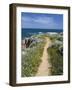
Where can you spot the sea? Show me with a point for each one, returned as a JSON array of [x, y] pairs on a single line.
[[27, 32]]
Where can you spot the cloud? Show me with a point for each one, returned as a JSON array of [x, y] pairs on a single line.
[[26, 19], [40, 21], [44, 20]]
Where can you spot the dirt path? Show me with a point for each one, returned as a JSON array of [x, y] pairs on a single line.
[[44, 68]]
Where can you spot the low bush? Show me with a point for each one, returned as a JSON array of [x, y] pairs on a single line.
[[31, 60], [56, 60]]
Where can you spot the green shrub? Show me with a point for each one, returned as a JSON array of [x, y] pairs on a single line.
[[56, 60], [31, 60]]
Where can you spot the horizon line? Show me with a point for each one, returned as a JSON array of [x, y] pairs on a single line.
[[41, 28]]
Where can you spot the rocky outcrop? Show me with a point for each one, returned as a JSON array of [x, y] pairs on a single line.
[[26, 42]]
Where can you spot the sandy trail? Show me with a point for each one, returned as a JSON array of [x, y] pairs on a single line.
[[44, 68]]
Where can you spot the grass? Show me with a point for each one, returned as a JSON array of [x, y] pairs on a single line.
[[56, 60], [31, 60], [53, 38], [42, 36]]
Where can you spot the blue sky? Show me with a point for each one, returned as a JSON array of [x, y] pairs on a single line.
[[42, 21]]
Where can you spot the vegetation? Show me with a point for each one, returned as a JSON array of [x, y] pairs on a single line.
[[56, 60], [31, 60], [56, 37]]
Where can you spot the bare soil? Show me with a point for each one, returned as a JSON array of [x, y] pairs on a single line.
[[45, 66]]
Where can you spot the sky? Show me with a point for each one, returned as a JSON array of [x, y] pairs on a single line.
[[41, 20]]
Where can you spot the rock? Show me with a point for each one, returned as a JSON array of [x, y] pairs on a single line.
[[26, 42]]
